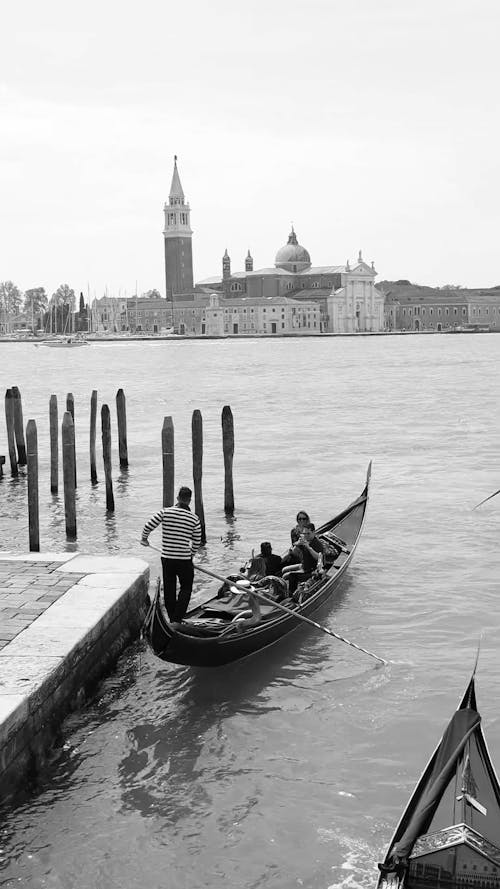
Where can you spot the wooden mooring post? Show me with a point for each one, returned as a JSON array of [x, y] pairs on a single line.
[[168, 463], [19, 427], [9, 421], [121, 413], [93, 424], [2, 461], [54, 444], [228, 451], [106, 456], [32, 463], [68, 458], [70, 406], [197, 435]]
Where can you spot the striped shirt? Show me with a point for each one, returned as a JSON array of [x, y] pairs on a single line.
[[181, 531]]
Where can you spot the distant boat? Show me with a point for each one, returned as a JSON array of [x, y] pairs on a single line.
[[64, 343]]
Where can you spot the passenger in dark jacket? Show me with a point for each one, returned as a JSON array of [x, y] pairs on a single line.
[[273, 562]]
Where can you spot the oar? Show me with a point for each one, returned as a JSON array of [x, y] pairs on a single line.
[[485, 499], [290, 611]]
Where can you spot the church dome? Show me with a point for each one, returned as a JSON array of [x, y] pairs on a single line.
[[292, 257]]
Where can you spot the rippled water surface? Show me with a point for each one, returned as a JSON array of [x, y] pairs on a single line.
[[289, 769]]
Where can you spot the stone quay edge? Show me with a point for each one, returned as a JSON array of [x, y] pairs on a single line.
[[64, 620]]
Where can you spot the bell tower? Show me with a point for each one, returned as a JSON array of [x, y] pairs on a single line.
[[177, 235]]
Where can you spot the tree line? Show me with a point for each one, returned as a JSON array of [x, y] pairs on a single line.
[[40, 310], [51, 314]]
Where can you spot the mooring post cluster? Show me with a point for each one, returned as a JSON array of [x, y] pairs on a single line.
[[168, 463], [23, 453]]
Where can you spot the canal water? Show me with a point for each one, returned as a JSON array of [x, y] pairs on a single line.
[[291, 768]]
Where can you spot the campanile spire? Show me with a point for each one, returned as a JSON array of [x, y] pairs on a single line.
[[177, 235]]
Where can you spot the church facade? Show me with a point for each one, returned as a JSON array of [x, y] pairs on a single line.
[[346, 296]]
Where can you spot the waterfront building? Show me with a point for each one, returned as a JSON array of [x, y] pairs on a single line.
[[109, 315], [411, 307], [148, 315], [210, 314], [346, 296]]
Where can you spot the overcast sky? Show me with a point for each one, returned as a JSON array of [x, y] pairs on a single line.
[[370, 124]]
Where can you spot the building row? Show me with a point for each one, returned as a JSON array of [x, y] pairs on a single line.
[[347, 296], [409, 308]]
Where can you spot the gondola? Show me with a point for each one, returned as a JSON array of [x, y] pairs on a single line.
[[449, 835], [207, 637]]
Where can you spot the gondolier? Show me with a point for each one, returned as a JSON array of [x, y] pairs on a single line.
[[181, 536]]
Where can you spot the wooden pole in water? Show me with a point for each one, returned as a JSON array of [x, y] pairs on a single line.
[[19, 427], [68, 458], [32, 462], [167, 450], [70, 406], [106, 456], [122, 428], [54, 445], [93, 423], [9, 420], [197, 434], [228, 450]]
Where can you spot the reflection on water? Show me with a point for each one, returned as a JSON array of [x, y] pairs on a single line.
[[231, 536], [292, 767]]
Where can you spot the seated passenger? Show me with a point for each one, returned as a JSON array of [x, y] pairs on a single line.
[[256, 568], [309, 548], [302, 518], [273, 561]]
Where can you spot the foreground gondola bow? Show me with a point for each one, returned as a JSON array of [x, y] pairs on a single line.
[[206, 638], [449, 835]]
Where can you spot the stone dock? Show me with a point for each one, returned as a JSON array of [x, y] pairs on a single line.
[[64, 620]]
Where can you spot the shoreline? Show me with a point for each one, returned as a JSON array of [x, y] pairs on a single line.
[[113, 338]]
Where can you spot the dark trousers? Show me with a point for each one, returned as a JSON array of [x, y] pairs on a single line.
[[296, 577], [172, 569]]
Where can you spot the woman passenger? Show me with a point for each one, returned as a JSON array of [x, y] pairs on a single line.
[[302, 520]]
